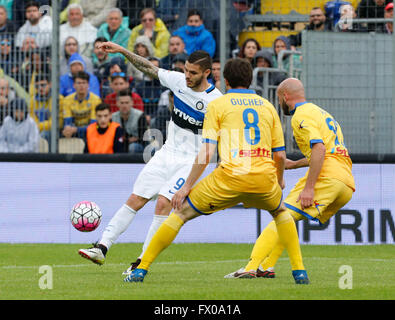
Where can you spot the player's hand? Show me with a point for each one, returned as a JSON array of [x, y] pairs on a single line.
[[306, 198], [282, 184], [111, 47], [179, 197]]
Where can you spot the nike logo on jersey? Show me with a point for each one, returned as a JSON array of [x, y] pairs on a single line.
[[300, 125]]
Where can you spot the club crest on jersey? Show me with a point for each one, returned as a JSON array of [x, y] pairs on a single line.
[[199, 105]]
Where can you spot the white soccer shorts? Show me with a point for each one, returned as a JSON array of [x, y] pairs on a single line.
[[163, 175]]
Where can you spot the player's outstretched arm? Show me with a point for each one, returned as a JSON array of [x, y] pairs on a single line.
[[139, 62]]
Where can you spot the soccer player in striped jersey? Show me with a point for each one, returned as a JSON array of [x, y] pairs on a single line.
[[247, 131], [168, 169]]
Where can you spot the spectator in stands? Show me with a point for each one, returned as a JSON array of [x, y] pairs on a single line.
[[7, 27], [346, 23], [263, 59], [176, 46], [132, 9], [7, 94], [179, 61], [372, 9], [150, 90], [37, 26], [388, 14], [317, 22], [40, 62], [248, 50], [77, 64], [133, 122], [17, 14], [19, 132], [64, 7], [25, 70], [209, 11], [71, 46], [116, 65], [215, 78], [41, 106], [195, 35], [154, 29], [142, 47], [82, 30], [8, 61], [120, 82], [97, 14], [79, 107], [169, 11], [113, 30], [282, 43], [104, 136], [100, 59]]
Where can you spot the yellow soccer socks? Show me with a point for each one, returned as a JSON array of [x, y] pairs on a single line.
[[273, 257], [288, 236], [279, 233], [263, 246], [161, 240]]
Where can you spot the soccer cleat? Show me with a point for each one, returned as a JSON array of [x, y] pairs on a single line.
[[137, 275], [232, 274], [133, 266], [242, 274], [300, 276], [269, 273], [94, 254]]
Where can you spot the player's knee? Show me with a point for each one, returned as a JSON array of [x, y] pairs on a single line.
[[186, 213], [163, 206], [276, 212], [136, 202]]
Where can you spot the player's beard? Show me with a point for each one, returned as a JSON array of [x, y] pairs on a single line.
[[285, 108], [195, 84]]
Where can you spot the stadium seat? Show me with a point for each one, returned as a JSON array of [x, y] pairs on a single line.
[[71, 145], [43, 146], [265, 38], [299, 6]]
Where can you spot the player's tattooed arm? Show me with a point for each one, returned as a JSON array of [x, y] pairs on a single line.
[[139, 62], [142, 64]]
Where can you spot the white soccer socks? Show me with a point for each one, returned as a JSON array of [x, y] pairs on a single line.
[[117, 225]]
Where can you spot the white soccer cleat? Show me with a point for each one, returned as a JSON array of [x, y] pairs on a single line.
[[233, 274], [93, 254]]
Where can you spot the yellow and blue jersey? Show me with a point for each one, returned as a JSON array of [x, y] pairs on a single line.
[[80, 113], [247, 129], [311, 125]]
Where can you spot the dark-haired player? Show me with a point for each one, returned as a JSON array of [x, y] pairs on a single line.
[[168, 169], [247, 131]]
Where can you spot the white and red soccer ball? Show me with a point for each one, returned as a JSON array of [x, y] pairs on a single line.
[[85, 216]]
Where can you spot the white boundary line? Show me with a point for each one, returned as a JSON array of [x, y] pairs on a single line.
[[189, 262]]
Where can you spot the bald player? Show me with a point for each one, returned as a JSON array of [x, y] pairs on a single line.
[[328, 184]]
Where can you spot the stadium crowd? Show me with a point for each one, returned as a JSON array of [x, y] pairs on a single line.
[[165, 32]]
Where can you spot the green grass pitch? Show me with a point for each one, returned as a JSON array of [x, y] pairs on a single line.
[[193, 272]]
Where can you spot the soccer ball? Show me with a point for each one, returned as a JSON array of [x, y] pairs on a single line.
[[85, 216]]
